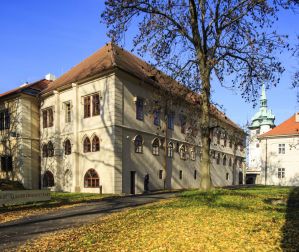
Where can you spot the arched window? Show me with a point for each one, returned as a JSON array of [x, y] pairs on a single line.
[[170, 150], [91, 179], [48, 179], [95, 144], [155, 146], [218, 159], [183, 152], [224, 160], [86, 145], [67, 147], [45, 150], [50, 149], [192, 153], [138, 142]]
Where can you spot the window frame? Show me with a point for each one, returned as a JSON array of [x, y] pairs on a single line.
[[86, 145], [67, 147], [170, 149], [156, 146], [138, 144], [281, 173], [68, 112], [96, 104], [49, 177], [93, 181], [95, 144], [139, 109], [281, 149]]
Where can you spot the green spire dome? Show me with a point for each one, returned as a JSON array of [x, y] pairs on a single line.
[[264, 116]]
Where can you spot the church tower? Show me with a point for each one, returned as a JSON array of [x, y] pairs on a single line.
[[261, 122]]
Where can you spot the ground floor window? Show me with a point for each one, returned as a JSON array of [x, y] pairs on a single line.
[[91, 179], [160, 174], [48, 179], [227, 176], [281, 173], [6, 163], [181, 174]]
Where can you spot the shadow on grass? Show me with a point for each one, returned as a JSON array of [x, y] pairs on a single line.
[[290, 240]]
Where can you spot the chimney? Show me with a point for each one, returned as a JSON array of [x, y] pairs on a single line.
[[50, 77], [297, 117]]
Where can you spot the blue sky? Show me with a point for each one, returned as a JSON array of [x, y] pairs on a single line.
[[51, 36]]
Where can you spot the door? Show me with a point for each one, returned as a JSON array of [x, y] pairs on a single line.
[[133, 182]]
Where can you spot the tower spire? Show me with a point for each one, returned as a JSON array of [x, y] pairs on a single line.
[[263, 96]]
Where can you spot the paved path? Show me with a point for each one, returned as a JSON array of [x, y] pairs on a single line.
[[17, 232]]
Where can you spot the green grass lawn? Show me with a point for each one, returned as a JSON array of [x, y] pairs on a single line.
[[254, 219], [58, 200]]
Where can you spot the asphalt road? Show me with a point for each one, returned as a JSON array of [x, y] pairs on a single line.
[[17, 232]]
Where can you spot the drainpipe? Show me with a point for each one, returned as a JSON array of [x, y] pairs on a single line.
[[266, 162]]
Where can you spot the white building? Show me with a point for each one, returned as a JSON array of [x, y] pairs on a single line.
[[273, 151]]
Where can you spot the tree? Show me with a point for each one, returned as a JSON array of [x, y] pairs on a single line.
[[193, 41]]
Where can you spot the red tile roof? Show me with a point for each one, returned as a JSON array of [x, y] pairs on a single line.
[[37, 85], [111, 57], [288, 127]]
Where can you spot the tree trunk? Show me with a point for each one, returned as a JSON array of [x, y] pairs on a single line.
[[205, 174]]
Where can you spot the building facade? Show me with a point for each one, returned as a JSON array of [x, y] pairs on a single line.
[[105, 124], [115, 124], [273, 150], [19, 134]]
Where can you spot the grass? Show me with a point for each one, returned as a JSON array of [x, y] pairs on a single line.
[[58, 200], [255, 219]]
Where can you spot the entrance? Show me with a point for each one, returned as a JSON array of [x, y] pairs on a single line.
[[133, 182]]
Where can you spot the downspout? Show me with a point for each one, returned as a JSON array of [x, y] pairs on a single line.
[[266, 162]]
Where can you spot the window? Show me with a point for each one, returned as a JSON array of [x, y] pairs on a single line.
[[241, 147], [95, 108], [50, 149], [195, 174], [96, 104], [87, 106], [157, 117], [192, 153], [224, 160], [48, 118], [170, 120], [139, 109], [45, 150], [281, 173], [257, 145], [218, 158], [91, 179], [183, 152], [218, 137], [230, 144], [183, 121], [227, 176], [155, 147], [225, 141], [170, 150], [68, 112], [67, 147], [48, 179], [6, 163], [230, 162], [51, 118], [4, 119], [138, 142], [181, 174], [95, 144], [86, 145], [45, 119], [160, 174], [281, 149], [258, 131]]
